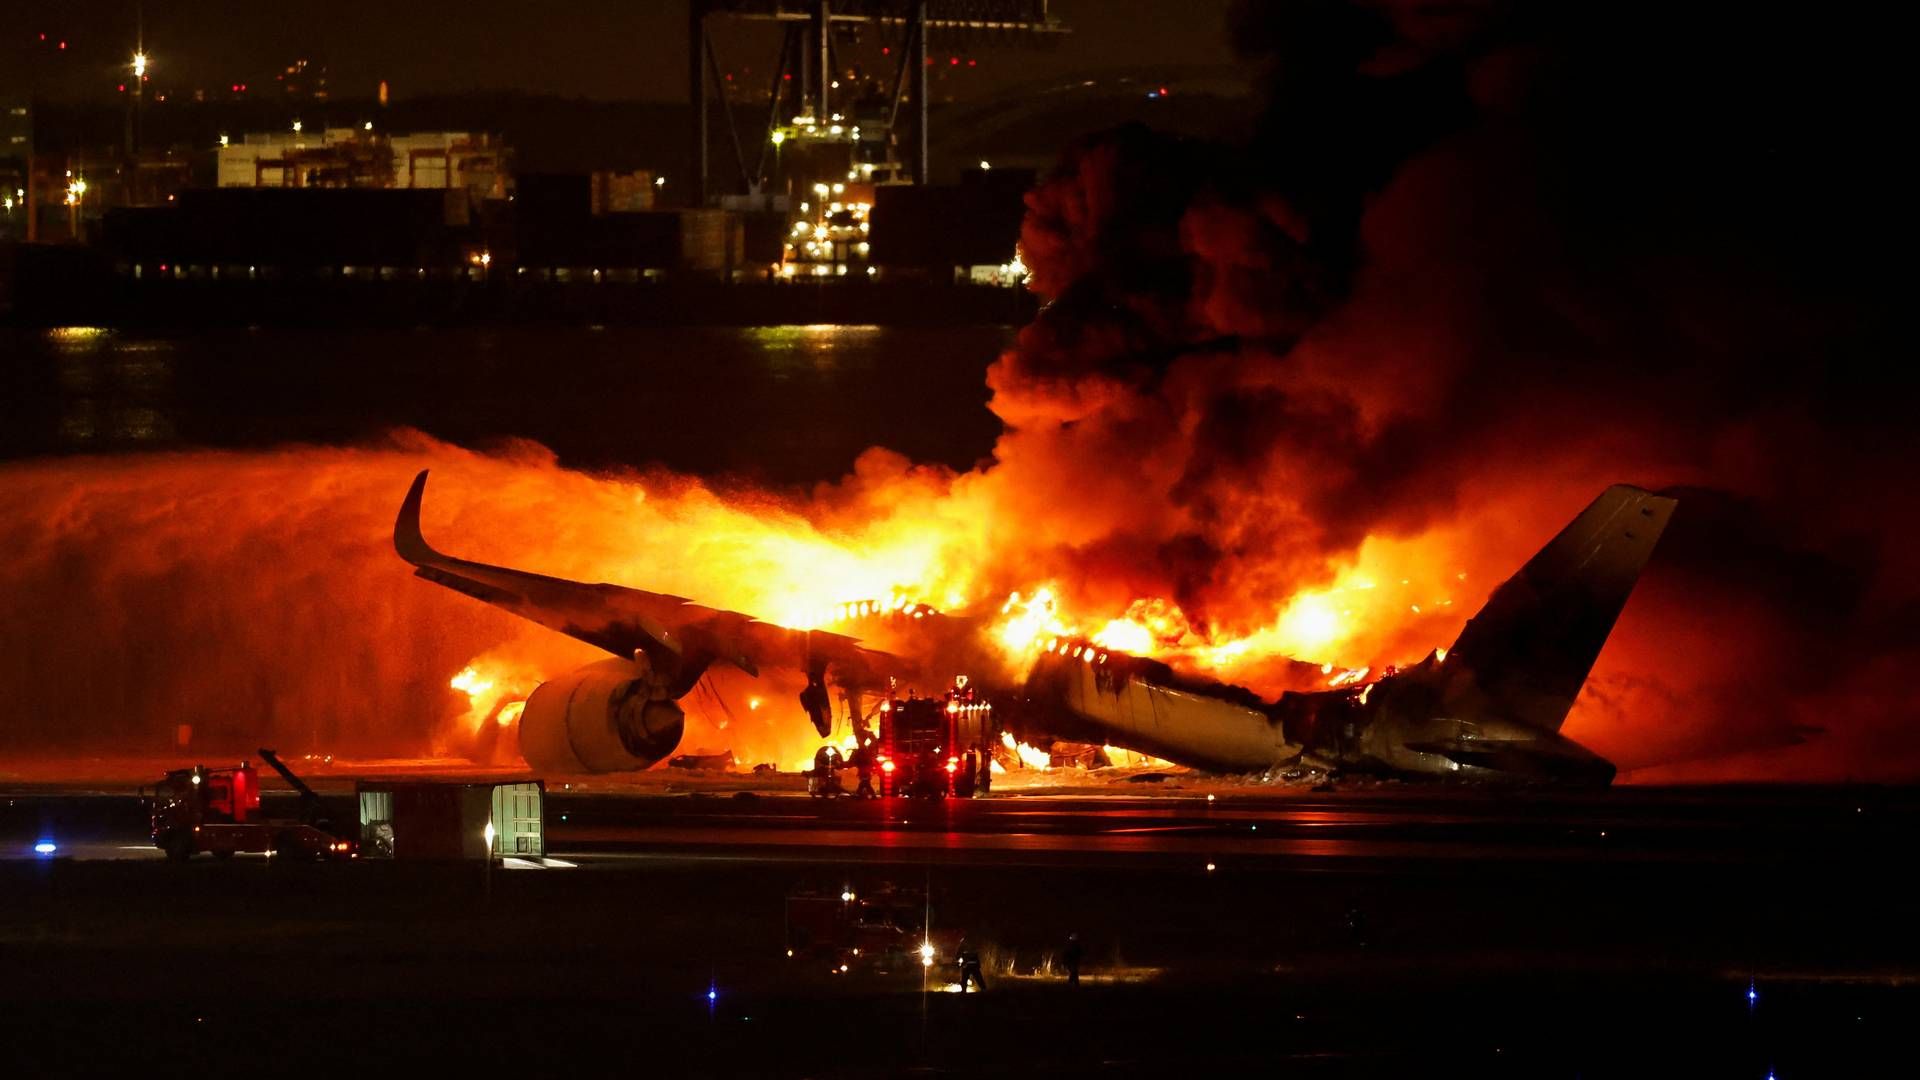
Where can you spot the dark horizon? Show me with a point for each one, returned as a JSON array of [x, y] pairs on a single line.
[[596, 49]]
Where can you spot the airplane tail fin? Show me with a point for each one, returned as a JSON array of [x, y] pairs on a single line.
[[1530, 648]]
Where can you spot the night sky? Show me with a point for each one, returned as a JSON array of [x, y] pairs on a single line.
[[603, 49]]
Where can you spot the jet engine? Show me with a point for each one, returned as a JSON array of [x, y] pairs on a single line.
[[605, 717]]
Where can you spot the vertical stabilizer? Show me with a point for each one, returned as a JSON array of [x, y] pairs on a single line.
[[1530, 648]]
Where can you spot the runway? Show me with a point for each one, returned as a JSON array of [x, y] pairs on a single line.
[[1362, 932], [1726, 826]]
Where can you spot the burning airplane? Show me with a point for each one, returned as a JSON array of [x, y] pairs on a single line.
[[1488, 707]]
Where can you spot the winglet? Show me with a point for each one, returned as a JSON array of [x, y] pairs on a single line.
[[407, 540]]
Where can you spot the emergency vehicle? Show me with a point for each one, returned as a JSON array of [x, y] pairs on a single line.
[[922, 741], [218, 810], [885, 930]]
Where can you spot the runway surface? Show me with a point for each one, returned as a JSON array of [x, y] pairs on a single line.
[[1358, 932]]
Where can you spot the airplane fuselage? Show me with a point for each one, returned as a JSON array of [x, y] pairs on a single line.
[[1413, 723]]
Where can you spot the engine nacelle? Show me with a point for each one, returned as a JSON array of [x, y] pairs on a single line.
[[598, 719]]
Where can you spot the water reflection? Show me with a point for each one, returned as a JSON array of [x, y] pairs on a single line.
[[820, 348], [114, 391], [787, 404]]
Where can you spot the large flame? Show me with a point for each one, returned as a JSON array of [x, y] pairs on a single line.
[[1286, 419], [303, 568]]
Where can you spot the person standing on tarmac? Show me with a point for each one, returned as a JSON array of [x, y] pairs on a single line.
[[1070, 957], [863, 762], [969, 772], [969, 960], [985, 785]]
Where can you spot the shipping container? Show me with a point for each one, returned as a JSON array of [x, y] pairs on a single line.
[[429, 820]]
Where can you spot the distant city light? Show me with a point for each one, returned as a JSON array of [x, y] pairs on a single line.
[[659, 181], [45, 847], [779, 137], [984, 166], [223, 140], [368, 126], [296, 127], [139, 65]]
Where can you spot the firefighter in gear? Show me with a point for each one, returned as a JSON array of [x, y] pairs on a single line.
[[985, 786], [824, 782], [1070, 956], [863, 762], [969, 960]]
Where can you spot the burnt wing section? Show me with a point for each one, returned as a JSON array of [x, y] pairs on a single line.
[[1530, 648], [678, 637]]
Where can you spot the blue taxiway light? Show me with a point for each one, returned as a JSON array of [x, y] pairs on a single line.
[[45, 847], [712, 994]]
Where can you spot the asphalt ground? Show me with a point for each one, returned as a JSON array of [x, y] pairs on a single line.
[[1699, 932]]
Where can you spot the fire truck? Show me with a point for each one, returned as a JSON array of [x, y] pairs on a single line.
[[218, 810], [922, 741]]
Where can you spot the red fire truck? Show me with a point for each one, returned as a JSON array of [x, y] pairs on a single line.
[[218, 810], [923, 740]]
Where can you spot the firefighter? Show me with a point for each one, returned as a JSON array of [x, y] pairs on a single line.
[[985, 785], [824, 761], [863, 761], [969, 960], [1070, 956], [969, 775]]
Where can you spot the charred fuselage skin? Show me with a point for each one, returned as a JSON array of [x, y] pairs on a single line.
[[1488, 709], [1428, 722], [1407, 724]]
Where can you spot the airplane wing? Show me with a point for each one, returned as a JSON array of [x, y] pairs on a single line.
[[679, 637]]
